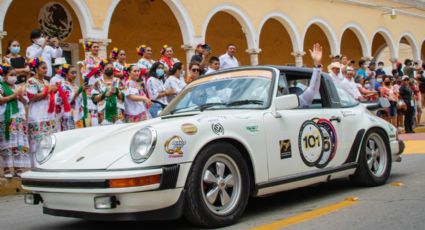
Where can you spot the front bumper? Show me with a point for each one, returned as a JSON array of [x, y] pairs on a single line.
[[74, 193], [397, 148]]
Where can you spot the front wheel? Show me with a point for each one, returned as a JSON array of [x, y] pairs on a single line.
[[374, 164], [217, 186]]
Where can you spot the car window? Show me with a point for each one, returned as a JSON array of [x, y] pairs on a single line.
[[297, 84]]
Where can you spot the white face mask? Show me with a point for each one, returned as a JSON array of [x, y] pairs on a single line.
[[41, 41], [182, 74], [11, 79]]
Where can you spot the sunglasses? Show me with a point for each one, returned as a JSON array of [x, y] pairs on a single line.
[[196, 70]]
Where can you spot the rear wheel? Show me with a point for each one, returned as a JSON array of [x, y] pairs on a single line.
[[217, 187], [374, 164]]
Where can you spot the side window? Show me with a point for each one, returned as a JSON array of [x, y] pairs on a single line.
[[298, 84], [346, 100]]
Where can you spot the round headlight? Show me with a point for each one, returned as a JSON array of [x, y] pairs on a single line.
[[143, 144], [45, 148]]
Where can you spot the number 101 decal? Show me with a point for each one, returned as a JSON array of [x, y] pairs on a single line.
[[317, 142]]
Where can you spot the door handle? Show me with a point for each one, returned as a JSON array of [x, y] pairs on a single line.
[[335, 118]]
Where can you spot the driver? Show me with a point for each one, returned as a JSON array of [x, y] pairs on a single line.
[[306, 96]]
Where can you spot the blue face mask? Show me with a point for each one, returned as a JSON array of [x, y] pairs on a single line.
[[15, 49], [160, 73]]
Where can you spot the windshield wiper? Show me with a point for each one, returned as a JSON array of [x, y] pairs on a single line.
[[209, 105], [178, 109], [245, 102]]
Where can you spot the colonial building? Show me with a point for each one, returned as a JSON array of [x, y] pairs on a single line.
[[264, 31]]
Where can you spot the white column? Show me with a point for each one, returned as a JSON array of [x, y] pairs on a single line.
[[189, 49], [298, 58], [103, 43], [2, 35], [253, 55]]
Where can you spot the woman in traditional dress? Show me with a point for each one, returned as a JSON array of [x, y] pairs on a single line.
[[135, 98], [167, 57], [145, 62], [105, 94], [13, 126], [41, 105], [70, 98]]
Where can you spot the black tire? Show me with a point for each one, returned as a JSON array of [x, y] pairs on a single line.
[[364, 175], [197, 208]]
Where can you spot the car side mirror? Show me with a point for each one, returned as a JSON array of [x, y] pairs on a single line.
[[287, 102]]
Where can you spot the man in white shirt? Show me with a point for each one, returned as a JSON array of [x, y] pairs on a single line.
[[214, 65], [40, 48], [350, 86], [228, 60]]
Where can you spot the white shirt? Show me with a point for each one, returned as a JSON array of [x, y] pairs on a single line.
[[154, 88], [228, 62], [55, 79], [133, 107], [174, 83], [35, 51], [210, 71], [351, 87]]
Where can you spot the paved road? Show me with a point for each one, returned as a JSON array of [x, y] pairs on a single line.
[[398, 205]]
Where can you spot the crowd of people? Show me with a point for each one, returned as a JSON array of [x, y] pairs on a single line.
[[404, 87], [41, 94]]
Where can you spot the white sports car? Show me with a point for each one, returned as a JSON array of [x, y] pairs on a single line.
[[228, 136]]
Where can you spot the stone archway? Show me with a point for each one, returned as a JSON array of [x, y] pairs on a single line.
[[315, 34], [351, 46]]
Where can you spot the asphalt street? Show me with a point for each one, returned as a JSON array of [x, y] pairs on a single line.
[[400, 204]]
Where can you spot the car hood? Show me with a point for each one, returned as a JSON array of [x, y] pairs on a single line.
[[105, 147]]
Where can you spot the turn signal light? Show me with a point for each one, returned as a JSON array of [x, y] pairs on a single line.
[[135, 182]]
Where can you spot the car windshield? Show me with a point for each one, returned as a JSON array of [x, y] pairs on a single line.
[[224, 91]]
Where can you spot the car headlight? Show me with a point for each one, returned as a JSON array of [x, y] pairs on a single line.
[[143, 144], [45, 148]]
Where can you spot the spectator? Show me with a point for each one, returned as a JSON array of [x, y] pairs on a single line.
[[371, 75], [420, 77], [136, 100], [92, 61], [214, 65], [41, 106], [120, 64], [13, 138], [228, 60], [44, 47], [369, 95], [387, 91], [406, 94], [167, 58], [14, 59], [145, 63], [58, 77], [194, 72], [105, 94], [409, 70], [362, 69], [202, 52], [380, 70], [156, 89], [174, 83]]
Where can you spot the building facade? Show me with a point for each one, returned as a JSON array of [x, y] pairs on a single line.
[[264, 31]]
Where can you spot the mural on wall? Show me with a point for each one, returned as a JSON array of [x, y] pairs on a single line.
[[55, 20]]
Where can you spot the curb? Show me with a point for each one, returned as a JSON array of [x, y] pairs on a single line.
[[11, 187]]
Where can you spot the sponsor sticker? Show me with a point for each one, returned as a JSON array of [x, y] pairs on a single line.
[[285, 149], [173, 146], [217, 128], [252, 128], [310, 143]]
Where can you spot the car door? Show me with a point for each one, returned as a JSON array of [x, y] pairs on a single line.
[[305, 139]]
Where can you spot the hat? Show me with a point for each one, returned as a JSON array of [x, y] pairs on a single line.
[[405, 77], [349, 69], [59, 61], [335, 65], [372, 63]]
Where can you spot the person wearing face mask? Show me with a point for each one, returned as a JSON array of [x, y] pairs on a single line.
[[378, 84], [174, 82], [363, 86], [14, 144], [41, 48], [105, 94], [14, 59], [135, 99], [406, 94], [380, 70], [156, 89]]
